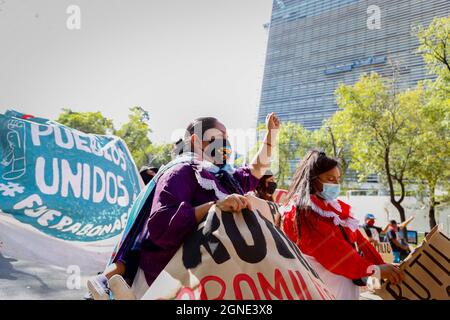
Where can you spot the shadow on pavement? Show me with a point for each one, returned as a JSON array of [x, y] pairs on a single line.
[[6, 268], [8, 272]]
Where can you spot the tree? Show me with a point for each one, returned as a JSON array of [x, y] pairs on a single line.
[[334, 142], [380, 122], [135, 134], [293, 142], [433, 148], [87, 122], [160, 154], [433, 152], [434, 46]]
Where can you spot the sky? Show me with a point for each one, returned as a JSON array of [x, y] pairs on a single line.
[[177, 59]]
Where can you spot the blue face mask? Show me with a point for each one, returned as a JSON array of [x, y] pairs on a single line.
[[330, 191]]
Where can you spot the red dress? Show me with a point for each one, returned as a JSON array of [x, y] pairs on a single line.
[[318, 235]]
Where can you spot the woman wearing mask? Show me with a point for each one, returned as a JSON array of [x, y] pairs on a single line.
[[266, 187], [183, 194], [326, 232]]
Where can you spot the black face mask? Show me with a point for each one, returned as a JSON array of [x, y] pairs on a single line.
[[219, 150], [271, 187]]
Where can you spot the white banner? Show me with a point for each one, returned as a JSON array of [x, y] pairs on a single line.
[[237, 256]]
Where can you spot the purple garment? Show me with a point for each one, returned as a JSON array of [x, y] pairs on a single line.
[[172, 216]]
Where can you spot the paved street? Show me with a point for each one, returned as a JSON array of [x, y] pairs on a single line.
[[28, 280], [34, 265]]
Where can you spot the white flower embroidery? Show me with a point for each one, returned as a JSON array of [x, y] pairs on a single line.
[[10, 189]]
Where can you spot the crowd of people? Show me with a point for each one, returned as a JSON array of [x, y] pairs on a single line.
[[201, 176]]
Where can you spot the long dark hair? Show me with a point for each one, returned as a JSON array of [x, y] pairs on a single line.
[[312, 165]]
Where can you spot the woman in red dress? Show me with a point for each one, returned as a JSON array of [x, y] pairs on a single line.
[[327, 233]]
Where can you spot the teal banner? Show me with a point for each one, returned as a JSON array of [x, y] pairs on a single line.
[[68, 184]]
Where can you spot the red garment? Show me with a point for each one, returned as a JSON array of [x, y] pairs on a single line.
[[279, 194], [322, 239]]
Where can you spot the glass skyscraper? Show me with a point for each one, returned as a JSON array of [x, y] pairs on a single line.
[[314, 45]]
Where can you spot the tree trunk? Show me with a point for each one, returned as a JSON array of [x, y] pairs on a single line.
[[400, 210], [333, 143], [432, 204], [395, 203]]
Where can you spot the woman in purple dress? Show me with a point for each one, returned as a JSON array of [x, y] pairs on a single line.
[[185, 192]]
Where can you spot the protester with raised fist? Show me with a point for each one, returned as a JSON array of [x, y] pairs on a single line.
[[185, 190]]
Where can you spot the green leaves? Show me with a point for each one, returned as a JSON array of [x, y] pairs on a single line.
[[434, 46], [294, 141], [134, 133], [376, 120], [433, 152], [87, 122], [380, 125], [402, 135]]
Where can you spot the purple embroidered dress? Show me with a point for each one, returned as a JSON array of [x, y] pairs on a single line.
[[172, 217]]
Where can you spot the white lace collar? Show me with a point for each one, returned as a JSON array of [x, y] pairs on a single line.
[[351, 222], [204, 182]]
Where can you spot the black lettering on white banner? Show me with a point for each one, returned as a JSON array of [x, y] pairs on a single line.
[[192, 255], [249, 253]]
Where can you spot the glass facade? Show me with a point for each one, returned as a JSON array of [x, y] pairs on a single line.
[[314, 45]]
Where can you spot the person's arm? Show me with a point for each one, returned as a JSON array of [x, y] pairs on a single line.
[[202, 210], [370, 253], [332, 251], [231, 203], [172, 216], [246, 179], [376, 241], [261, 162], [396, 242], [408, 221], [371, 240], [368, 233]]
